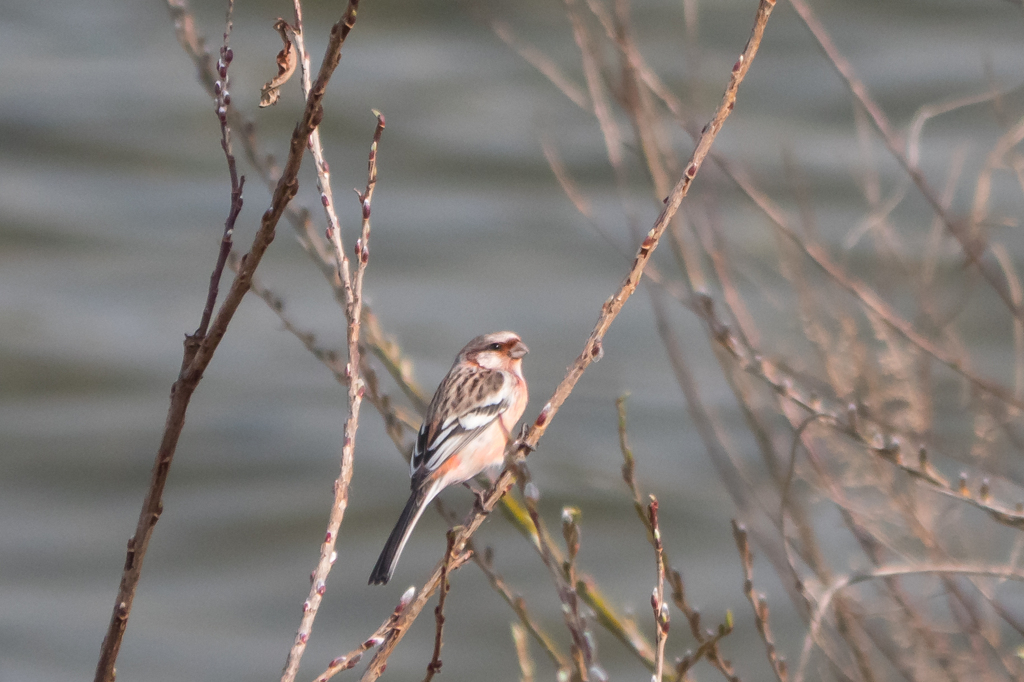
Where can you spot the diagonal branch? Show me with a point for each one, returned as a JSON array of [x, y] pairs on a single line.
[[592, 348], [816, 253]]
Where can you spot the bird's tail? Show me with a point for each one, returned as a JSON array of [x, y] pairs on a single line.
[[388, 558]]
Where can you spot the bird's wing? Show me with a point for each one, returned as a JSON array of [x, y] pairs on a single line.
[[456, 417]]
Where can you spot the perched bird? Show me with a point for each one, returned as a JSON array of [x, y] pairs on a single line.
[[465, 431]]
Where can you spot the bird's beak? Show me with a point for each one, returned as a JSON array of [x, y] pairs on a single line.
[[518, 351]]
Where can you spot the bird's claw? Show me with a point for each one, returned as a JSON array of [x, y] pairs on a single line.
[[521, 442], [479, 493]]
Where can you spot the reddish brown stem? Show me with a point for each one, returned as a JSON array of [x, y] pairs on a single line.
[[434, 666]]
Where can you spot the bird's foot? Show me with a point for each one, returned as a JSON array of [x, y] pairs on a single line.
[[479, 493], [521, 442]]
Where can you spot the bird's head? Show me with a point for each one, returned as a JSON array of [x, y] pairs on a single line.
[[500, 350]]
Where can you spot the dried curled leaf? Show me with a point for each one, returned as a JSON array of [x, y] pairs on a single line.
[[287, 59]]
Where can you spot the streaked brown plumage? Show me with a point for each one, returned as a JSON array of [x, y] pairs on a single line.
[[465, 431]]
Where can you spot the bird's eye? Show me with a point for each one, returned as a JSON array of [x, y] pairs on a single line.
[[494, 346]]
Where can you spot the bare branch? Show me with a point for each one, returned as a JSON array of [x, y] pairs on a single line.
[[658, 603], [758, 602], [434, 666], [353, 286], [592, 348], [222, 101], [518, 604], [352, 658]]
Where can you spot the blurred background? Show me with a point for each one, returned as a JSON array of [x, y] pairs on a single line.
[[113, 195]]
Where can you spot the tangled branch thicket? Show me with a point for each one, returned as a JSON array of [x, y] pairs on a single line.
[[845, 400]]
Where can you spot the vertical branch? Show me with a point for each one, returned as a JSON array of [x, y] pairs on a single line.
[[759, 603], [353, 287], [222, 100], [563, 574], [582, 650], [434, 666], [661, 615], [353, 309], [323, 171], [526, 665], [629, 465]]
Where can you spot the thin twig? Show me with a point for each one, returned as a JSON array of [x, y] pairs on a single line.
[[658, 603], [541, 62], [323, 176], [706, 639], [352, 658], [222, 101], [759, 603], [387, 350], [353, 286], [434, 666], [396, 419], [518, 605], [582, 205], [629, 473], [522, 645], [564, 576]]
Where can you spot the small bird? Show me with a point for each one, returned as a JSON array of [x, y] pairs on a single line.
[[465, 431]]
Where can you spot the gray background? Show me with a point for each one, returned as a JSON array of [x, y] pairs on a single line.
[[113, 191]]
